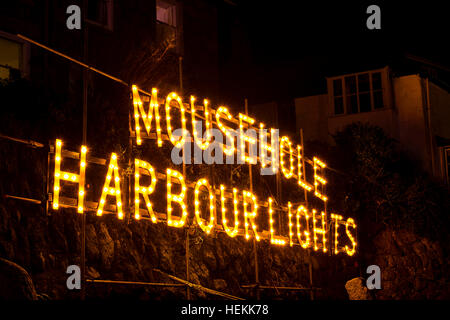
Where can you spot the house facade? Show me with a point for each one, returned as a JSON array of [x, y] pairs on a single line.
[[412, 109], [138, 41]]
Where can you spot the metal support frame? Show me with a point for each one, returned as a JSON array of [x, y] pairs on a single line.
[[255, 249], [85, 102], [257, 287], [306, 202]]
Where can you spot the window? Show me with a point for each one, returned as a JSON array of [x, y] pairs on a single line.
[[447, 163], [100, 12], [13, 54], [338, 97], [356, 93], [166, 13], [168, 24]]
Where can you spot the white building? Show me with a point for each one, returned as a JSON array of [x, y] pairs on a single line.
[[410, 108]]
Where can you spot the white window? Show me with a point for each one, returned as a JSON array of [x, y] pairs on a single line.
[[166, 13], [168, 25], [100, 13], [359, 92], [13, 57]]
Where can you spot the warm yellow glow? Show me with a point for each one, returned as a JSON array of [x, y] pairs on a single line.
[[180, 141], [143, 167], [226, 131], [139, 111], [206, 228], [113, 172], [300, 165], [319, 180], [350, 223], [81, 179], [68, 176], [180, 199], [302, 211], [245, 138], [291, 233], [273, 154], [336, 219], [232, 232], [285, 142], [201, 143], [274, 239], [249, 216], [265, 149], [320, 231]]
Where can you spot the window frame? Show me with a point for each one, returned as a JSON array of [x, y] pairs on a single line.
[[173, 6], [24, 65], [109, 25], [385, 91]]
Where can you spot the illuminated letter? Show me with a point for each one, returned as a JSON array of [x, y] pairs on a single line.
[[175, 198], [302, 211], [229, 231], [264, 148], [207, 228], [113, 172], [351, 223], [180, 142], [319, 179], [250, 215], [321, 231], [228, 133], [274, 239], [336, 219], [146, 117], [291, 242], [300, 165], [244, 137], [142, 166], [199, 141], [287, 173], [67, 176]]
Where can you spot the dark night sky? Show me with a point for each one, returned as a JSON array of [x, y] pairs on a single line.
[[284, 49]]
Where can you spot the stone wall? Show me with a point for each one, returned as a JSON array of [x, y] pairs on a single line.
[[117, 250], [412, 267]]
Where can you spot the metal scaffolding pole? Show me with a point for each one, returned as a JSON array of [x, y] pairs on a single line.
[[255, 249], [85, 96], [306, 202]]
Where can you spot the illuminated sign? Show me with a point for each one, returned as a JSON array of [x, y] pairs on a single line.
[[308, 227]]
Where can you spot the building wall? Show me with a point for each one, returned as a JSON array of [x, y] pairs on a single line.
[[265, 112], [311, 116], [440, 110], [440, 118], [384, 118], [201, 51], [406, 121], [409, 100]]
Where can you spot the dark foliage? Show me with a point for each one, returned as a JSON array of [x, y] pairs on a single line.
[[384, 185]]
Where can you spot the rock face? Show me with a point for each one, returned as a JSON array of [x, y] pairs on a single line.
[[412, 267], [131, 250], [15, 282], [357, 289]]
